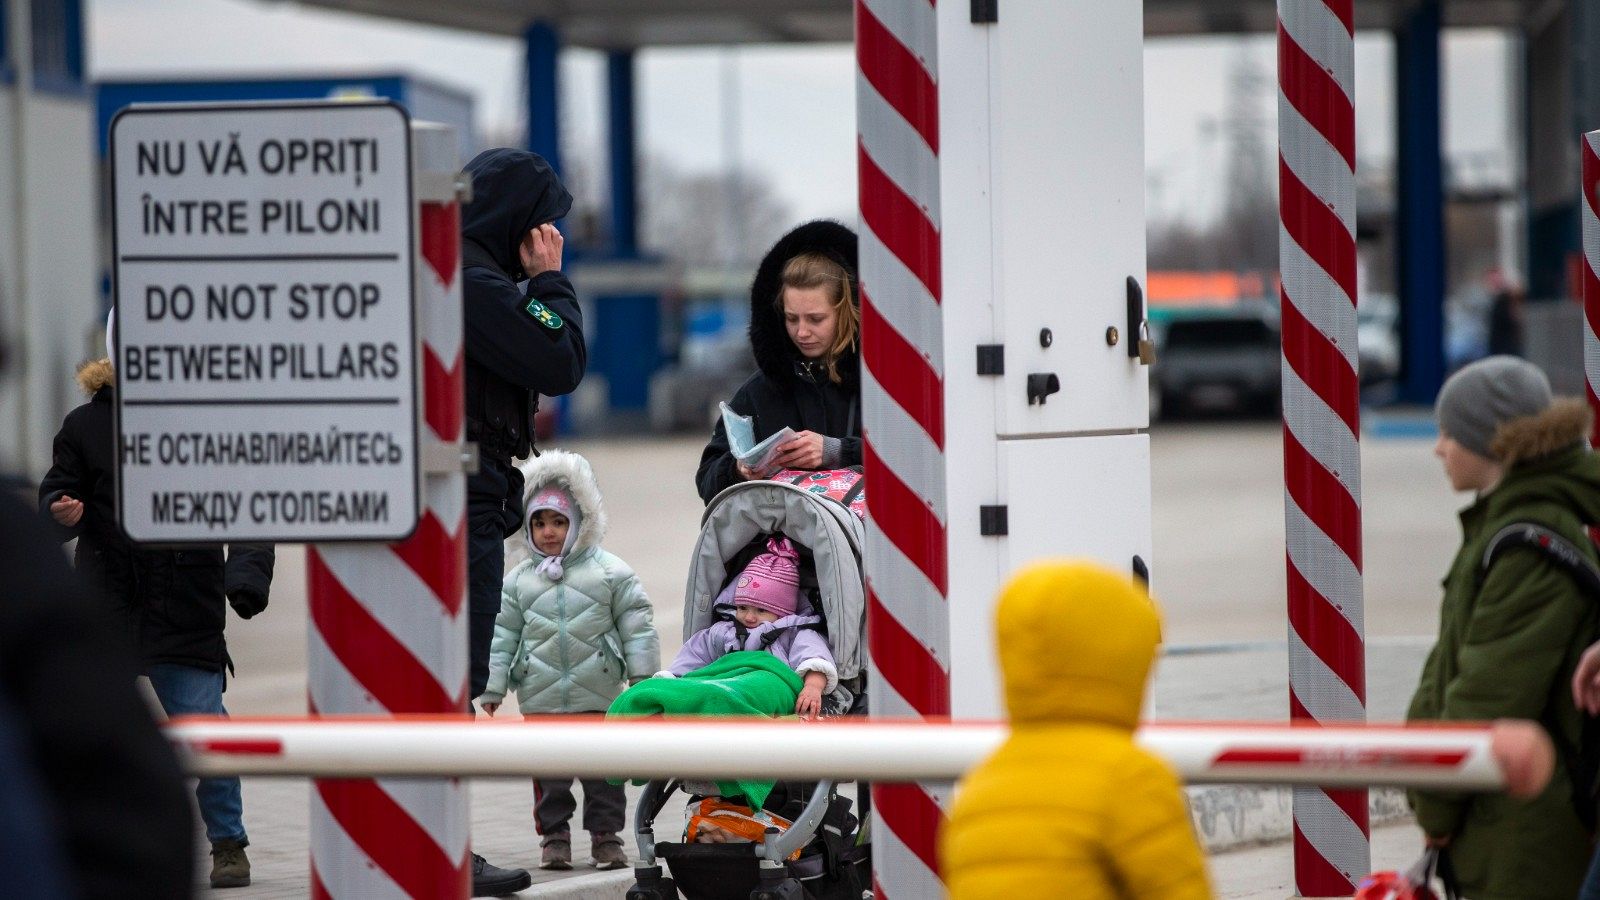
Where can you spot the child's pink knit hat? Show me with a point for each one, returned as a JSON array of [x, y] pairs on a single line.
[[772, 580], [553, 497], [557, 499]]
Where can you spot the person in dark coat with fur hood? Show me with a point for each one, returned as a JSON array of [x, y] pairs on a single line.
[[805, 332], [167, 604]]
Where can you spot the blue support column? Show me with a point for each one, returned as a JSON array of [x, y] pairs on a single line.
[[544, 92], [621, 133], [628, 322], [542, 61], [1420, 206]]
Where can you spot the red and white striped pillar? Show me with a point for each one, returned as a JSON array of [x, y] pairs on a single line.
[[1321, 417], [388, 621], [897, 99], [1590, 205]]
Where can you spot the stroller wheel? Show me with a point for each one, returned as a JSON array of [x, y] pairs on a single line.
[[650, 884], [776, 884]]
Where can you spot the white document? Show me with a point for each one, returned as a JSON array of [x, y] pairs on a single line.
[[742, 441]]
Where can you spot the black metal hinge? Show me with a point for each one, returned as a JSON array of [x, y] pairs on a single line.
[[992, 521], [985, 12], [1136, 316], [991, 359]]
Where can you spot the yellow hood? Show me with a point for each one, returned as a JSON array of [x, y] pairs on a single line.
[[1076, 644]]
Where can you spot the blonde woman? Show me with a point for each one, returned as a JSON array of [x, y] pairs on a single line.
[[805, 332]]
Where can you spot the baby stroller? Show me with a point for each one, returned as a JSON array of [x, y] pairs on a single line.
[[834, 861]]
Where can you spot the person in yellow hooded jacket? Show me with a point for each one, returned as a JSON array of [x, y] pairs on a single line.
[[1070, 806]]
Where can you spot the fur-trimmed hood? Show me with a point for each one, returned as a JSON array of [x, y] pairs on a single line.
[[1548, 460], [1565, 423], [94, 375], [570, 471], [769, 340]]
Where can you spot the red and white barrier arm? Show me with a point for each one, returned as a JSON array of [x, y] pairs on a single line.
[[1455, 758]]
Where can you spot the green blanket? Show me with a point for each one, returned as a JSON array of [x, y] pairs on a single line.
[[744, 683]]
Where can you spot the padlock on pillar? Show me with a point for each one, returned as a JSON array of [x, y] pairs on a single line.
[[1146, 347], [1140, 346]]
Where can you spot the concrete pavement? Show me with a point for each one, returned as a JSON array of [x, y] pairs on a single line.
[[1218, 571]]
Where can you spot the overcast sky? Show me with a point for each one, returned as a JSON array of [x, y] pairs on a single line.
[[795, 105]]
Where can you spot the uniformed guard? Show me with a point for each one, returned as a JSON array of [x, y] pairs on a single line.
[[524, 337]]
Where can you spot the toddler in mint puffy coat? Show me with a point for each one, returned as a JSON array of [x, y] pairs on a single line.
[[574, 624]]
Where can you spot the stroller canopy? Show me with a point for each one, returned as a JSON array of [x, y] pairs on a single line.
[[832, 533]]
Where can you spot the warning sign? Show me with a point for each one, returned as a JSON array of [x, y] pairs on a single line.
[[264, 340]]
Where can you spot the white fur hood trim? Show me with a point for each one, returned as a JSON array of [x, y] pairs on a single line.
[[571, 471]]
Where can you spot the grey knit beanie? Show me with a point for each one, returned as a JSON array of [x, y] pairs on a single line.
[[1481, 397]]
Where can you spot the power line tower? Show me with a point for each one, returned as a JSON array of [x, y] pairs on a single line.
[[1249, 236]]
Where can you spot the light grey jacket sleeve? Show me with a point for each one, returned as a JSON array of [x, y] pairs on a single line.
[[507, 642], [636, 626]]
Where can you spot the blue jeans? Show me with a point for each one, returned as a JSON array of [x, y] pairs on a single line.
[[186, 690], [33, 865]]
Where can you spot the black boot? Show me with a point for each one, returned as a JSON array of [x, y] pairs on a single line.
[[493, 881]]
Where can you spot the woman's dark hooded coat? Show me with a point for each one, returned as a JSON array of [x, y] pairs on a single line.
[[784, 391], [168, 603]]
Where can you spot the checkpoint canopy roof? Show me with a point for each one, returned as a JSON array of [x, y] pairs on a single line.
[[624, 24]]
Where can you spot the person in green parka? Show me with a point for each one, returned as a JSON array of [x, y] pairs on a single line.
[[1511, 635]]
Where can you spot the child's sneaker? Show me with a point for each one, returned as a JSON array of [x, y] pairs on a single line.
[[607, 851], [556, 852]]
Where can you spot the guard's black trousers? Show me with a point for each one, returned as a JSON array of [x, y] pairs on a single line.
[[494, 510]]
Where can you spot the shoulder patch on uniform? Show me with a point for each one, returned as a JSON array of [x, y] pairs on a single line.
[[544, 315]]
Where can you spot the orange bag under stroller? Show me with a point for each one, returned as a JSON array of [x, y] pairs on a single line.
[[716, 821]]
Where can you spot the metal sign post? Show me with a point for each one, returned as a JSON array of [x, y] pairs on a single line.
[[389, 621]]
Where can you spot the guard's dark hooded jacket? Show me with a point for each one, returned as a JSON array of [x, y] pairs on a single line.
[[519, 342], [785, 390], [169, 603]]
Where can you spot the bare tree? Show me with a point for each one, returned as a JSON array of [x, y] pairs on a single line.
[[689, 216], [1247, 234], [1244, 237], [685, 216], [1179, 244]]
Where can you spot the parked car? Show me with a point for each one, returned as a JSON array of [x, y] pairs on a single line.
[[1213, 361], [1378, 339]]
